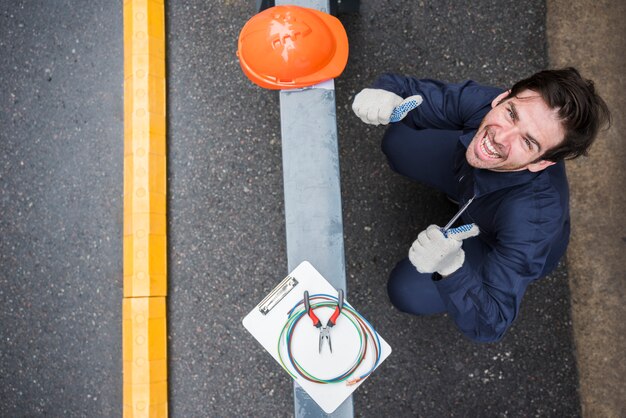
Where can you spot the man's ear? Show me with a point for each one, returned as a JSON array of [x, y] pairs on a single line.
[[500, 97], [539, 165]]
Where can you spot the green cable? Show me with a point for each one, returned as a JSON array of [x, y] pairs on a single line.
[[288, 329]]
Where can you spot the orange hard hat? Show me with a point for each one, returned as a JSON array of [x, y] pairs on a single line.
[[287, 47]]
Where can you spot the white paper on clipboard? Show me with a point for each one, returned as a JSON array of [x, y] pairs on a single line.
[[266, 328]]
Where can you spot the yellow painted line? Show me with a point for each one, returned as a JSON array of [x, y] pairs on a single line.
[[145, 232], [145, 357]]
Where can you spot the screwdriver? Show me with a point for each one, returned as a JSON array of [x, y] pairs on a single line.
[[455, 217]]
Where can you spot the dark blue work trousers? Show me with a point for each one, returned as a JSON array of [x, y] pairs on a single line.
[[425, 155]]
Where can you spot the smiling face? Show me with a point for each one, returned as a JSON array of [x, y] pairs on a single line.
[[515, 134]]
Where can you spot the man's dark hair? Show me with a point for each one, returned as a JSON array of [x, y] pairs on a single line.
[[580, 109]]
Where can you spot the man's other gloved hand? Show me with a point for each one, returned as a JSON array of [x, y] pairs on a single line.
[[374, 106], [433, 251]]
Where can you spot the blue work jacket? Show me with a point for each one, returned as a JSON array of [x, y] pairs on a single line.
[[523, 216]]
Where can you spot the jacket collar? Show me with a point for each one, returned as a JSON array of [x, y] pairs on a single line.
[[487, 181]]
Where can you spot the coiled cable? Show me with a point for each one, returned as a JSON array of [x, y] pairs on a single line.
[[368, 337]]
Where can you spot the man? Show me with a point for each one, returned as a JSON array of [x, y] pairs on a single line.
[[504, 150]]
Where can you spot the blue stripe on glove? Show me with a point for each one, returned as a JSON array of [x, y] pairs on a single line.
[[405, 107], [462, 232]]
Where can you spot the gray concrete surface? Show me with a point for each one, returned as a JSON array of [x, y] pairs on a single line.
[[596, 252], [61, 212], [61, 114]]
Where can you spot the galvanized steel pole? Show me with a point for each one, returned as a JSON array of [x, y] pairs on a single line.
[[314, 223]]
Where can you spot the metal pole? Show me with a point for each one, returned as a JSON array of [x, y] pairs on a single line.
[[314, 223]]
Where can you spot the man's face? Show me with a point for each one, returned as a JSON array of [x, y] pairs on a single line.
[[515, 134]]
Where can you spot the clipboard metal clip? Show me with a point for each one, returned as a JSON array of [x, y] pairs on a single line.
[[277, 294]]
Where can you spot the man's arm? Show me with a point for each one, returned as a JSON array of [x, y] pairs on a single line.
[[481, 283], [484, 295], [444, 106]]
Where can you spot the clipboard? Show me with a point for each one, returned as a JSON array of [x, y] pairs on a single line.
[[266, 323]]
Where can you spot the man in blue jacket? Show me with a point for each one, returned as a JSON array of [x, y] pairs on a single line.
[[504, 151]]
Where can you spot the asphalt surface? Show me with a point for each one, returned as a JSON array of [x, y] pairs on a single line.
[[61, 148], [61, 171]]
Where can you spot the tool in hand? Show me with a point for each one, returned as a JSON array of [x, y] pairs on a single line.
[[324, 331], [455, 217]]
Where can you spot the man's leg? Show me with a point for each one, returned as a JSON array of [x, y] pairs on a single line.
[[425, 155], [413, 292]]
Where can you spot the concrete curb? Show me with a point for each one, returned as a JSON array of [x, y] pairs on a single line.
[[592, 37], [144, 306]]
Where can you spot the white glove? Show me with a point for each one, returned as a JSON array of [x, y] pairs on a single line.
[[375, 106], [433, 251]]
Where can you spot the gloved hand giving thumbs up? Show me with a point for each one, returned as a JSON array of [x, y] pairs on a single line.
[[436, 251], [379, 107]]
